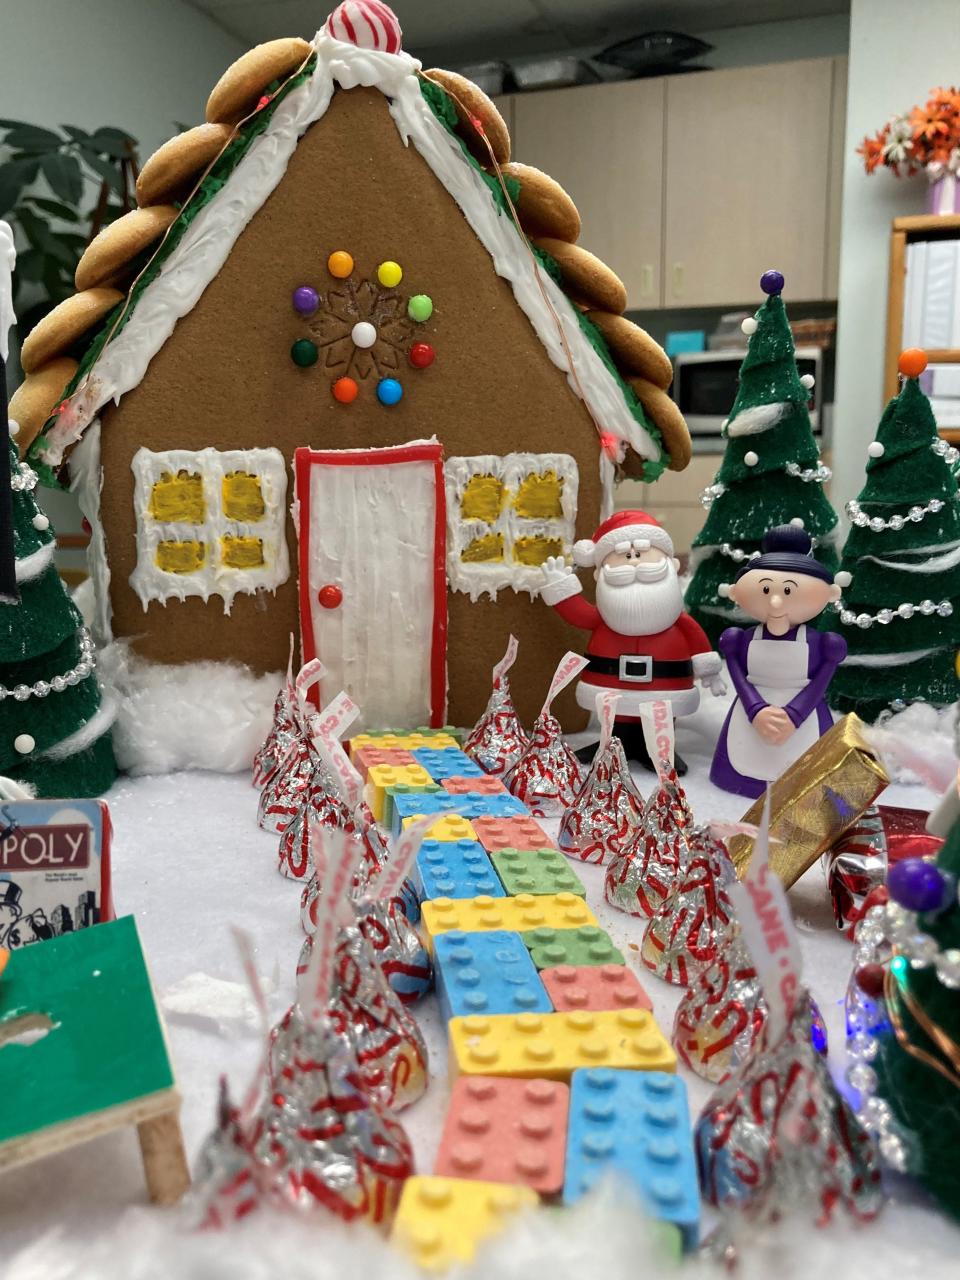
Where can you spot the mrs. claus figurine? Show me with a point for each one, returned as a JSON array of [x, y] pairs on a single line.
[[642, 643], [780, 669]]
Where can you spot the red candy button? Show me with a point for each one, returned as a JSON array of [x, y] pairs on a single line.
[[330, 596], [422, 355]]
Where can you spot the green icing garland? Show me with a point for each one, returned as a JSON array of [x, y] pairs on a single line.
[[211, 186], [442, 107]]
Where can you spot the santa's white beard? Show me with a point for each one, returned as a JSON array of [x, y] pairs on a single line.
[[640, 608]]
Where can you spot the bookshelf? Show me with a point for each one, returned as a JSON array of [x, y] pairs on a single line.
[[904, 232]]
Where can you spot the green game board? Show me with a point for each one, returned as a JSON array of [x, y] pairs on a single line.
[[106, 1047]]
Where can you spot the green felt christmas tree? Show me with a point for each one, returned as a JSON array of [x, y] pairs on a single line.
[[918, 1059], [900, 610], [54, 729], [771, 471]]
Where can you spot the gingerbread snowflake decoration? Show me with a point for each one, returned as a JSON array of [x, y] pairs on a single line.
[[360, 329]]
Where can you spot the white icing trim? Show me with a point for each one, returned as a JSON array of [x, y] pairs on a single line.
[[31, 566], [86, 481], [887, 659], [208, 240], [213, 578], [753, 422], [87, 734], [8, 258], [490, 577]]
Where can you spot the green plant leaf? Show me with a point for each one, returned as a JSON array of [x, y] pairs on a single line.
[[75, 134], [64, 176], [30, 265], [112, 142], [14, 176], [54, 208], [34, 228], [13, 124], [106, 170], [59, 249], [30, 137]]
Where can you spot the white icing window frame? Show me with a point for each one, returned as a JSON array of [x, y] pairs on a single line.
[[150, 582], [487, 578]]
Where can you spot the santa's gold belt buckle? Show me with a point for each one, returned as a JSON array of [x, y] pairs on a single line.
[[636, 670]]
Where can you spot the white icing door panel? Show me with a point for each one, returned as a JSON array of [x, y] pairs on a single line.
[[373, 606]]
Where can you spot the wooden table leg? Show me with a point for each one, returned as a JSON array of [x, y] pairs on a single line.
[[164, 1159]]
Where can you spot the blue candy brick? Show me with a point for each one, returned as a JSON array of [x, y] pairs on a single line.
[[636, 1123], [409, 806], [486, 973], [456, 869], [495, 806], [447, 762]]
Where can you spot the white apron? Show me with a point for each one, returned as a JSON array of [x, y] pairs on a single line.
[[777, 669]]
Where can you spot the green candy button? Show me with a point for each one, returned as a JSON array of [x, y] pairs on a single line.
[[304, 353], [420, 307]]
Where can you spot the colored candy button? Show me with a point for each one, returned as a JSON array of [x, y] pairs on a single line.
[[422, 355], [420, 307], [345, 390], [340, 264], [389, 391], [304, 353], [389, 274]]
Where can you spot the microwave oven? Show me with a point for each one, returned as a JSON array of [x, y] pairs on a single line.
[[705, 386]]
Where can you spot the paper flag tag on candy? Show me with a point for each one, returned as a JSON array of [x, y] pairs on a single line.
[[497, 740], [548, 776], [659, 735], [760, 902]]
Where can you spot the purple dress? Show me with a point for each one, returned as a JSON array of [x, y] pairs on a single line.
[[764, 675]]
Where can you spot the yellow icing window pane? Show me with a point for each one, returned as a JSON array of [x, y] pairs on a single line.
[[482, 499], [243, 497], [180, 557], [487, 548], [536, 550], [539, 497], [241, 553], [178, 499]]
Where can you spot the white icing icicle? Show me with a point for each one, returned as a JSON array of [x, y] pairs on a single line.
[[8, 257]]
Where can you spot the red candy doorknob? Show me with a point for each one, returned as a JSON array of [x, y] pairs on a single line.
[[330, 596]]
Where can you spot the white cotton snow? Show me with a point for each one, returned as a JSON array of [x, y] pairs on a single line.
[[195, 715], [917, 745]]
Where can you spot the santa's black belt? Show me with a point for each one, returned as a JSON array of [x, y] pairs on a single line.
[[640, 668]]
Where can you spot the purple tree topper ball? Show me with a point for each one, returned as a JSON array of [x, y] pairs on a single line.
[[772, 282], [918, 885], [305, 300]]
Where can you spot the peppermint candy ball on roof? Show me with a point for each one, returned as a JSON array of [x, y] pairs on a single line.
[[368, 24]]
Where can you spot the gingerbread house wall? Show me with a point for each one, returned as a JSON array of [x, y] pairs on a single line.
[[225, 379]]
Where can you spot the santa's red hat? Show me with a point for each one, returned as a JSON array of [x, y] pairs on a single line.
[[622, 529]]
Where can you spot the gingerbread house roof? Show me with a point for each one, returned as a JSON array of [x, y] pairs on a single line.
[[162, 255]]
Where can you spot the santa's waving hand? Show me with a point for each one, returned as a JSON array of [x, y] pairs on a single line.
[[642, 643]]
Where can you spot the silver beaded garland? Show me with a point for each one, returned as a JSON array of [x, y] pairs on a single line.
[[21, 692], [877, 525], [24, 480], [926, 607], [711, 493], [820, 473]]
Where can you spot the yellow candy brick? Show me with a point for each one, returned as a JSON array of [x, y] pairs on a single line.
[[552, 1045], [402, 741], [522, 912], [381, 776], [447, 827], [441, 1221]]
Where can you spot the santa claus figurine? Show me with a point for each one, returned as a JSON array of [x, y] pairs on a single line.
[[642, 643]]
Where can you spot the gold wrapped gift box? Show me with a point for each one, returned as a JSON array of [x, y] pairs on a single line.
[[815, 801]]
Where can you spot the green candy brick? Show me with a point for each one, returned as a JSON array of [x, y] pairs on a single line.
[[588, 945], [536, 871]]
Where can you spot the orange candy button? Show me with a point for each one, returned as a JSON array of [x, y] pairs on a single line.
[[340, 264], [345, 390]]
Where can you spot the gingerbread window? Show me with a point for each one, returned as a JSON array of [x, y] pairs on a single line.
[[505, 516], [210, 522]]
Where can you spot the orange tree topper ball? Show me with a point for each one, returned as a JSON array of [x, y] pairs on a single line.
[[912, 362]]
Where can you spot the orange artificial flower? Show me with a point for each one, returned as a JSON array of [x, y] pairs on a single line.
[[872, 151]]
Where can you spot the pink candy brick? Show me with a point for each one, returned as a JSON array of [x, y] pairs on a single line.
[[473, 786], [511, 833], [594, 988], [503, 1130], [365, 757]]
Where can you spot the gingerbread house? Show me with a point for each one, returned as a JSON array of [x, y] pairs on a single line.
[[345, 372]]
